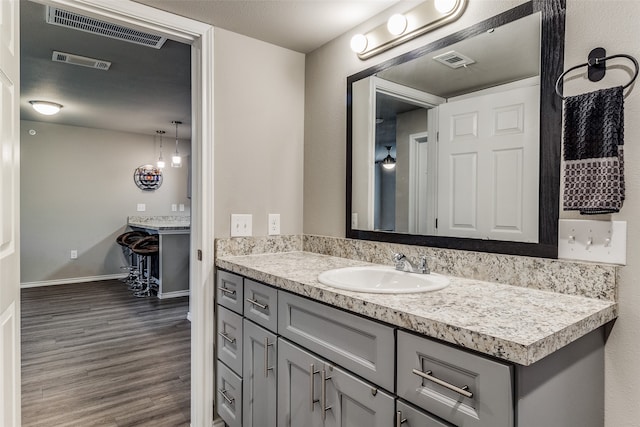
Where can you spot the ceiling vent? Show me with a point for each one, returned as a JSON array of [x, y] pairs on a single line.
[[454, 59], [83, 61], [67, 19]]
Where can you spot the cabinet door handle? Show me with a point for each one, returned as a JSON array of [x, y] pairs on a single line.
[[312, 373], [266, 357], [227, 291], [323, 403], [257, 304], [464, 390], [399, 419], [227, 338], [229, 400]]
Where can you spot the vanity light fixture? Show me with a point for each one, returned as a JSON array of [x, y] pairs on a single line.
[[176, 160], [397, 24], [401, 28], [45, 107], [388, 162], [160, 163]]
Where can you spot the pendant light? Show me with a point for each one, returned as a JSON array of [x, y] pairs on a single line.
[[176, 160], [388, 162], [160, 163]]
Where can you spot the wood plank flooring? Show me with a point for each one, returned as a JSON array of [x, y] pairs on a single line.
[[94, 355]]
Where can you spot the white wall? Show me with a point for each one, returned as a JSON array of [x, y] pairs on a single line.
[[607, 23], [77, 190], [259, 122]]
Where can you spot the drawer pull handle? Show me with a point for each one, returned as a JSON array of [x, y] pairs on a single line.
[[464, 390], [312, 373], [227, 338], [323, 402], [229, 400], [257, 304], [266, 357], [228, 291], [399, 419]]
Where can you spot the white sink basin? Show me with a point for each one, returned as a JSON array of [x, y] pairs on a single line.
[[382, 280]]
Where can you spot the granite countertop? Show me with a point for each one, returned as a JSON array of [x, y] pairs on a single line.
[[160, 223], [516, 324]]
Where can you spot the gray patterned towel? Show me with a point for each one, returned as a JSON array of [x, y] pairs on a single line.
[[593, 154]]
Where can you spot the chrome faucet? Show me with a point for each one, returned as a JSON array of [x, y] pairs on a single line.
[[403, 264]]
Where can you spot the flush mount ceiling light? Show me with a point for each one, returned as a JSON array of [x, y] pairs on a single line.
[[160, 163], [176, 160], [401, 28], [45, 107], [388, 162]]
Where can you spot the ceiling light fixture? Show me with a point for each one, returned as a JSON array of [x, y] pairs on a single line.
[[388, 162], [45, 107], [176, 160], [397, 24], [160, 163], [400, 28]]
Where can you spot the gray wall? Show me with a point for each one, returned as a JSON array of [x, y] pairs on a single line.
[[77, 190], [259, 131], [611, 24]]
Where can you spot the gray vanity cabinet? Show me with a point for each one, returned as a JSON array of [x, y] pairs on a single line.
[[463, 388], [259, 394], [313, 392]]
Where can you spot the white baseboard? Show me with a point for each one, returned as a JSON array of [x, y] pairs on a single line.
[[72, 280], [175, 294]]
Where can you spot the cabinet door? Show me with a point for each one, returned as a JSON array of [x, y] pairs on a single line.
[[352, 402], [298, 387], [408, 416], [229, 401], [230, 339], [259, 377]]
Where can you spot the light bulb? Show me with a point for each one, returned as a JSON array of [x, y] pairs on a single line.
[[397, 24], [45, 107], [160, 163], [176, 161], [388, 166], [359, 43], [445, 6]]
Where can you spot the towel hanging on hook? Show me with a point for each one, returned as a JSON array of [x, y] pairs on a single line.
[[597, 67]]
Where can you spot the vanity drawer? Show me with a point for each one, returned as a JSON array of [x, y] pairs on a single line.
[[229, 390], [430, 372], [230, 339], [362, 346], [261, 304], [416, 418], [230, 291]]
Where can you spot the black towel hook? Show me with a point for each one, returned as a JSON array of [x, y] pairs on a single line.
[[596, 64]]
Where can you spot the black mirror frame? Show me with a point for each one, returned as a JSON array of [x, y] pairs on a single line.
[[552, 62]]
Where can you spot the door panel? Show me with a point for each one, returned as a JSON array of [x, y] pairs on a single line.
[[489, 155], [9, 215], [259, 377]]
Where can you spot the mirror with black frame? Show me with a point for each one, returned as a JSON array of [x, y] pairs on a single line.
[[457, 144]]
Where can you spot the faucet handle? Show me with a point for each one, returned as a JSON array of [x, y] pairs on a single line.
[[424, 267], [398, 256]]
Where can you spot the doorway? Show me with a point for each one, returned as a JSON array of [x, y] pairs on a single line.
[[200, 37]]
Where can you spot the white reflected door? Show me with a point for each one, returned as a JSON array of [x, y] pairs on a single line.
[[488, 157], [9, 214]]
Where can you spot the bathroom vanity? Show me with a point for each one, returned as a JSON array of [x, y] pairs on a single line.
[[294, 352]]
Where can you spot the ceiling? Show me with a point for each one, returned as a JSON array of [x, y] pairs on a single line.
[[146, 89]]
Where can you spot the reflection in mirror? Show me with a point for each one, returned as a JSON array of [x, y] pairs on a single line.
[[462, 121]]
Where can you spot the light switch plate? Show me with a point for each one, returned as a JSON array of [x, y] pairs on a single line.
[[141, 207], [241, 225], [596, 241]]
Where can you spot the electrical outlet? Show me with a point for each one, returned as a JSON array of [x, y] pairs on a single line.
[[142, 207], [274, 224], [181, 207], [241, 225], [174, 207], [74, 254]]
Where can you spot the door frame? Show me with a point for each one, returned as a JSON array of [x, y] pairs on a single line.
[[201, 38]]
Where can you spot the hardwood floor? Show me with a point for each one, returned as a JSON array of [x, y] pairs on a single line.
[[93, 355]]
